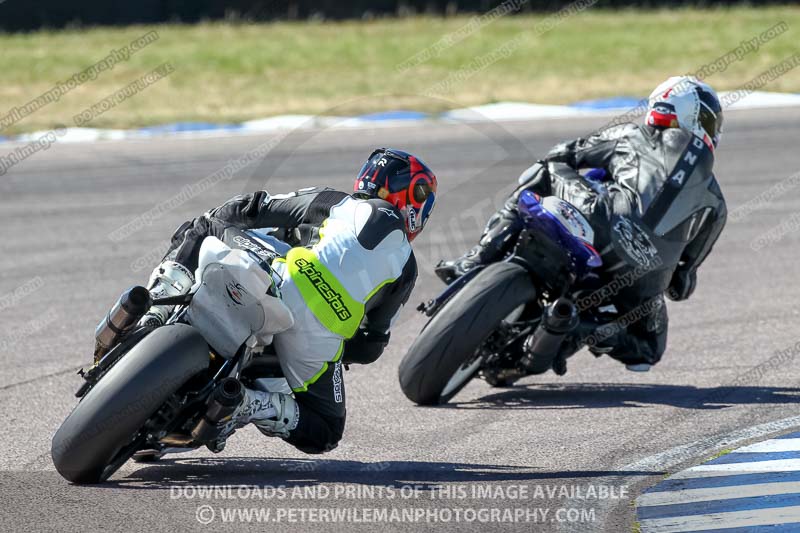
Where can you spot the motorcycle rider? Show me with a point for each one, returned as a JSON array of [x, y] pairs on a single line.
[[358, 245], [660, 211]]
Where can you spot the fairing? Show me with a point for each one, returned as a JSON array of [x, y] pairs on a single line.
[[537, 219]]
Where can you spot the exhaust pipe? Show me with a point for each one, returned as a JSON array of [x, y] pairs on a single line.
[[130, 307], [541, 348], [221, 404]]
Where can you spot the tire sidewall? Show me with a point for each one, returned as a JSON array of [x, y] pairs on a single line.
[[452, 335], [125, 398]]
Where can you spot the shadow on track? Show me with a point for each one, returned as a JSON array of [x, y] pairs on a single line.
[[169, 473], [612, 395]]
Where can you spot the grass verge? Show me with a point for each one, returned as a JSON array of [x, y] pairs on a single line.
[[233, 72]]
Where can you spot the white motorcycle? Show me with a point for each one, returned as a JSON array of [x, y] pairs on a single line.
[[170, 389]]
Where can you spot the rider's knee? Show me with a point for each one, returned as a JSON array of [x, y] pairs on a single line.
[[324, 437], [641, 349]]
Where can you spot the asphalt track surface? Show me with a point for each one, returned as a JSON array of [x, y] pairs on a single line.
[[578, 431]]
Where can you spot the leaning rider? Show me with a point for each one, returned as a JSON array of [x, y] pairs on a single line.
[[359, 245], [660, 211]]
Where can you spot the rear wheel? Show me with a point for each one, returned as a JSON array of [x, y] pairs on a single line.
[[101, 433], [444, 358]]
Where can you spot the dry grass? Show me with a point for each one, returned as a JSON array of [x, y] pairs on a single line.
[[234, 72]]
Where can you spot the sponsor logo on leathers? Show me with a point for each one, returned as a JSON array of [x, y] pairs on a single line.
[[331, 297]]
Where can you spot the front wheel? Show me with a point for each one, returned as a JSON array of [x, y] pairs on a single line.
[[442, 360]]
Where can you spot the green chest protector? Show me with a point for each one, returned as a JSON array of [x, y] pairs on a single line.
[[325, 296]]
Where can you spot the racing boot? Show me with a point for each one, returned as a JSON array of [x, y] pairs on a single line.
[[274, 414], [607, 344], [168, 279], [500, 231]]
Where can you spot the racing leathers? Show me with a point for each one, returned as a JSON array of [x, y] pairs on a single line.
[[655, 220], [349, 271]]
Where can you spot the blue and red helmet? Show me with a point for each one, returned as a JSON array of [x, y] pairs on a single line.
[[404, 181]]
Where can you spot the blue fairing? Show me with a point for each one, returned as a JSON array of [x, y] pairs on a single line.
[[538, 220], [596, 174]]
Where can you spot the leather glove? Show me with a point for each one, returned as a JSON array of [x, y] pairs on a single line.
[[536, 171], [682, 285]]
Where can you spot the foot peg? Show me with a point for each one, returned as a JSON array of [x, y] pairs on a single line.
[[147, 456]]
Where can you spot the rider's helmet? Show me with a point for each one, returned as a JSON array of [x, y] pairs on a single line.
[[404, 181], [687, 103]]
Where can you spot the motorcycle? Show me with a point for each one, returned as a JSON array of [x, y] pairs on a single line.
[[170, 389], [512, 318]]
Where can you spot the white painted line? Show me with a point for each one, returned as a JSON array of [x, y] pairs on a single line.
[[774, 445], [756, 517], [501, 111], [497, 112], [761, 99], [779, 465], [705, 447], [674, 497]]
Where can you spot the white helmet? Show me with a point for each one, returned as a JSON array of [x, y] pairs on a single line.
[[687, 103]]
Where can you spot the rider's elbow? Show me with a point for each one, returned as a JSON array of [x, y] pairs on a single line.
[[365, 347]]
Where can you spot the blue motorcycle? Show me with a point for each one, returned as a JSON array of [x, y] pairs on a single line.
[[513, 318]]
